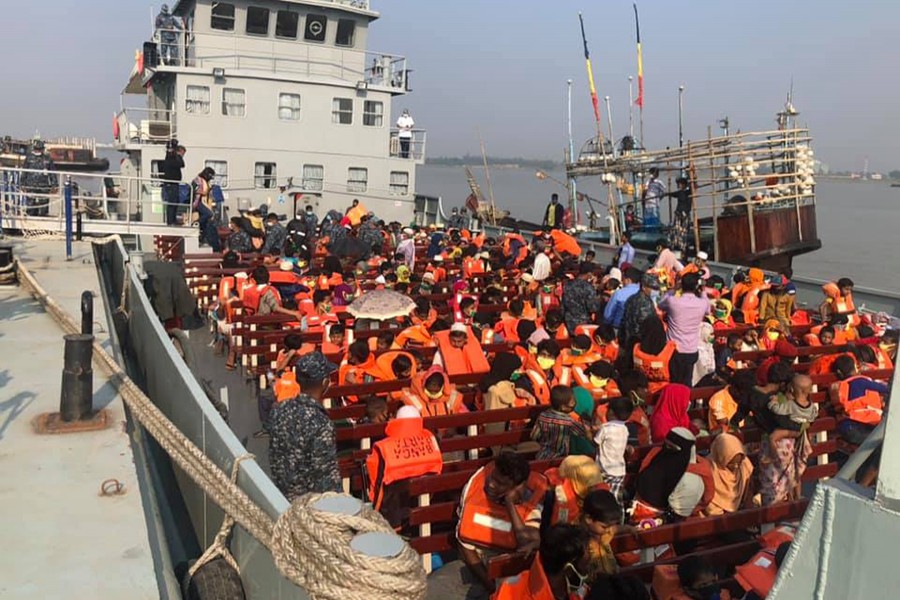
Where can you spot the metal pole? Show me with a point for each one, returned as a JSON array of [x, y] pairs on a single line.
[[87, 313], [573, 193], [631, 106], [77, 396], [78, 223], [681, 127], [609, 125], [68, 208]]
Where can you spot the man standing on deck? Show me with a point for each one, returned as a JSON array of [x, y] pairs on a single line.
[[405, 124], [579, 299], [626, 251], [653, 193], [302, 447], [172, 166], [169, 27], [553, 216]]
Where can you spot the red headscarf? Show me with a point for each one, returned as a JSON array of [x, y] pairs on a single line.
[[671, 411]]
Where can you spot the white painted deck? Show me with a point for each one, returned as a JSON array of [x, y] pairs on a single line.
[[61, 538]]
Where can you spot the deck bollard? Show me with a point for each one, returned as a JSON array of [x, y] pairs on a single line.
[[87, 313], [77, 396]]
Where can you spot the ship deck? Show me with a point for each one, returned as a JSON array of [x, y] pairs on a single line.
[[63, 537]]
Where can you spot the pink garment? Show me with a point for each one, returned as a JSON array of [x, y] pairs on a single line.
[[671, 411]]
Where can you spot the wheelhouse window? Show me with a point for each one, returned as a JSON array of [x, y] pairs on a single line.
[[315, 28], [221, 169], [400, 183], [342, 111], [373, 113], [264, 176], [257, 20], [196, 101], [357, 179], [222, 16], [234, 102], [287, 24], [346, 30], [289, 107], [313, 178]]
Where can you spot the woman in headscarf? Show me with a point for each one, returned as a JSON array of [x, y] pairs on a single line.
[[661, 472], [706, 353], [671, 411], [731, 473], [570, 483], [653, 353]]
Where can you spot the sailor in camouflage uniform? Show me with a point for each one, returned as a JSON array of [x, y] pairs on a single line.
[[37, 186], [169, 27], [370, 235], [302, 446], [579, 299], [276, 235]]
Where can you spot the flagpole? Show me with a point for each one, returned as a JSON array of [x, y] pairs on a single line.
[[595, 100], [631, 106], [612, 138], [573, 193], [640, 60]]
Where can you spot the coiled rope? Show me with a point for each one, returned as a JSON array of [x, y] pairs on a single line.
[[310, 547]]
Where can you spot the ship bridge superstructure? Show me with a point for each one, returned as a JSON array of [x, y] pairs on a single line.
[[271, 95]]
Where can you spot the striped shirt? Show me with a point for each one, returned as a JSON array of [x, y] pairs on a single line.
[[553, 431]]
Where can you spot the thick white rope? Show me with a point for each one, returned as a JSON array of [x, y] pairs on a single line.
[[312, 549], [306, 545]]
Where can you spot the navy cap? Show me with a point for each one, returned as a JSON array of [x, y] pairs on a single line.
[[314, 367]]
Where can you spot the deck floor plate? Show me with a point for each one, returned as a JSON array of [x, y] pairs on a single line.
[[63, 538]]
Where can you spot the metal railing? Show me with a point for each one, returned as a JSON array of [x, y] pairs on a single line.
[[57, 202], [217, 51], [413, 149], [145, 126]]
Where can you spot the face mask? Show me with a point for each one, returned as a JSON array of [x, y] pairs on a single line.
[[326, 308], [654, 295], [548, 289], [773, 335], [532, 350], [573, 574], [545, 362], [598, 382], [577, 352], [434, 395], [721, 314]]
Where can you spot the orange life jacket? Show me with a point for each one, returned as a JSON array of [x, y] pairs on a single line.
[[566, 509], [472, 266], [286, 386], [540, 385], [750, 304], [468, 359], [866, 409], [487, 336], [316, 323], [417, 336], [385, 363], [508, 329], [883, 358], [227, 286], [253, 295], [655, 367], [842, 305], [488, 524], [547, 302], [759, 573], [823, 364], [359, 373], [529, 585], [409, 450], [450, 402]]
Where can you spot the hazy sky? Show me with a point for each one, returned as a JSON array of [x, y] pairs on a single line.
[[500, 66]]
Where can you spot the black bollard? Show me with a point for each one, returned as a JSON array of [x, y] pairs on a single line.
[[77, 395], [87, 313]]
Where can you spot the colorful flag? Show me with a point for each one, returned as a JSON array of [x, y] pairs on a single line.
[[640, 57], [590, 71]]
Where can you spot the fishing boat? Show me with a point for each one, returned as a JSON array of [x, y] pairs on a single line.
[[752, 195], [67, 154]]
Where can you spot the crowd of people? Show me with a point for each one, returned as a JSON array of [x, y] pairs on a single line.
[[614, 352]]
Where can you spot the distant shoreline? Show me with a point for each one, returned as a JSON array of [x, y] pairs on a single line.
[[494, 162]]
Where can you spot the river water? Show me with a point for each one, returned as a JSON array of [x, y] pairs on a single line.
[[857, 221]]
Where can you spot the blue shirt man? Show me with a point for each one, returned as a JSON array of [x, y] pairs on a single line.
[[615, 308]]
